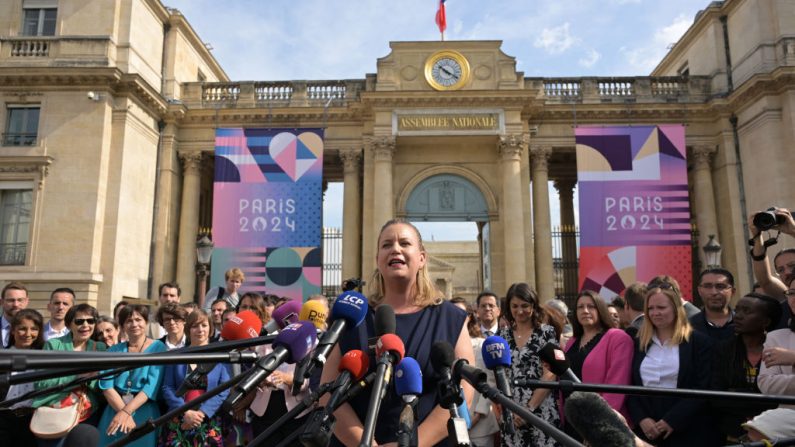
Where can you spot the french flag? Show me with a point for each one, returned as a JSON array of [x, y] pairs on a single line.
[[441, 19]]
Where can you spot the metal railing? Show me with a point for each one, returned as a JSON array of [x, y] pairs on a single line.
[[19, 139], [332, 262], [13, 254]]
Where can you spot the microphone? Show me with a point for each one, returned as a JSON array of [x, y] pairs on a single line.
[[449, 392], [192, 380], [596, 421], [245, 324], [291, 345], [389, 350], [408, 385], [284, 315], [557, 361], [348, 311], [497, 357], [314, 312], [320, 425]]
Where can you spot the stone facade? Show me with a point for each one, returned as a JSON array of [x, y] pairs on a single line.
[[119, 171]]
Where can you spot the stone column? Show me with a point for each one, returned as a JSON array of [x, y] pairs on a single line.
[[352, 214], [568, 235], [383, 149], [510, 148], [706, 215], [188, 223], [163, 237], [541, 222]]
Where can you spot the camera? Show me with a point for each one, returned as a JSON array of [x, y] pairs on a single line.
[[353, 284], [765, 220]]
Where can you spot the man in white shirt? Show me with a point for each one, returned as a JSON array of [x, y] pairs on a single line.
[[14, 298], [61, 300], [488, 309], [169, 292]]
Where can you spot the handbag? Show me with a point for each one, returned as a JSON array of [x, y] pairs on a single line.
[[56, 421]]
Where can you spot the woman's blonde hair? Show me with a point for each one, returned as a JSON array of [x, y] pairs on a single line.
[[682, 328], [425, 292]]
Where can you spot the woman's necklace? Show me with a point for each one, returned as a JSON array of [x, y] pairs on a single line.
[[139, 348], [521, 338]]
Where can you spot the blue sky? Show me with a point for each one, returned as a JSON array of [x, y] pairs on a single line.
[[335, 39]]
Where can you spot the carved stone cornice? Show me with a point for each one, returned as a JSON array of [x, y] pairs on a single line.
[[351, 160], [540, 156], [191, 161], [511, 146], [565, 187], [36, 165], [383, 147], [702, 156]]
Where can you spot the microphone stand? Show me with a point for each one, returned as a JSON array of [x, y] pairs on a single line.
[[303, 405], [568, 387], [450, 397], [407, 427], [382, 378], [69, 385], [151, 425], [477, 378]]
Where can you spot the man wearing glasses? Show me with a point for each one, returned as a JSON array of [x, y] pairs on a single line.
[[716, 288]]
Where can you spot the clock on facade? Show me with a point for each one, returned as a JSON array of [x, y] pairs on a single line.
[[447, 70]]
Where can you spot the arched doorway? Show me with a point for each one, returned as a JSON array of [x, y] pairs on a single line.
[[456, 196]]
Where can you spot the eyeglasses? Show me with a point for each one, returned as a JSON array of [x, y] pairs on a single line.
[[720, 287], [80, 321], [172, 319]]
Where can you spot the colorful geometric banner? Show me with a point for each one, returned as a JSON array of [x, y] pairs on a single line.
[[267, 209], [634, 207]]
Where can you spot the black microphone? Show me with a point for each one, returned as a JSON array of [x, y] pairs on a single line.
[[449, 392], [596, 421], [389, 351], [557, 361], [192, 380], [291, 345], [349, 310]]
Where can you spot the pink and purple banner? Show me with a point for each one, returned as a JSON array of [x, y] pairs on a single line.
[[634, 207], [267, 209]]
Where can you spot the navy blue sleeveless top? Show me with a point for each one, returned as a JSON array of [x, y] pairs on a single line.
[[418, 331]]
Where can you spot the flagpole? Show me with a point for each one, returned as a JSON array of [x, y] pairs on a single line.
[[442, 36]]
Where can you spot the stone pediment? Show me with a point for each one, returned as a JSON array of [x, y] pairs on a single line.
[[404, 68]]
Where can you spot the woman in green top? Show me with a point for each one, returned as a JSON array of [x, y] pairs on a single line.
[[81, 321]]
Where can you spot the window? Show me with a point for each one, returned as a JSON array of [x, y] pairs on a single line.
[[15, 213], [684, 70], [38, 21], [22, 125]]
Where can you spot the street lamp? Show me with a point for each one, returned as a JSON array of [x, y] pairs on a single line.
[[204, 252], [712, 252]]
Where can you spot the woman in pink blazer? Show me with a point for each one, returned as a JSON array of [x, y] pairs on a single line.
[[598, 352]]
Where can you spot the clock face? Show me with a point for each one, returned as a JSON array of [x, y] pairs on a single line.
[[447, 70]]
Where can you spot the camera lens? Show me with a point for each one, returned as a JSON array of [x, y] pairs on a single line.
[[765, 220]]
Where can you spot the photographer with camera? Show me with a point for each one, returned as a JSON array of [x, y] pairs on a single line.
[[781, 220]]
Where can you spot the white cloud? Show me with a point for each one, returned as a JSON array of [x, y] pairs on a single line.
[[646, 57], [590, 59], [556, 40], [674, 31]]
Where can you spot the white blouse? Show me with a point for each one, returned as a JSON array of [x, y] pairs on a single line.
[[660, 367]]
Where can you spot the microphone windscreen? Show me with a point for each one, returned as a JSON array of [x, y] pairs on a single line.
[[298, 338], [596, 421], [442, 355], [243, 325], [350, 306], [315, 313], [556, 358], [287, 313], [390, 343], [408, 377], [384, 320], [496, 352], [355, 362]]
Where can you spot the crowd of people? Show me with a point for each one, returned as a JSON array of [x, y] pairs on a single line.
[[653, 336]]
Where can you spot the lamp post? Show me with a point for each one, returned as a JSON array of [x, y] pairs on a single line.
[[712, 251], [204, 251]]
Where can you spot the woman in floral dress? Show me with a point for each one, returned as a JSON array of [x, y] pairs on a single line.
[[526, 336]]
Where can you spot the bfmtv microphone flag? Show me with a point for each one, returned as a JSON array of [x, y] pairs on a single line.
[[267, 209], [633, 193]]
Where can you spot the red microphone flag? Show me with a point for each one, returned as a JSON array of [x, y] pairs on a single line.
[[441, 19]]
